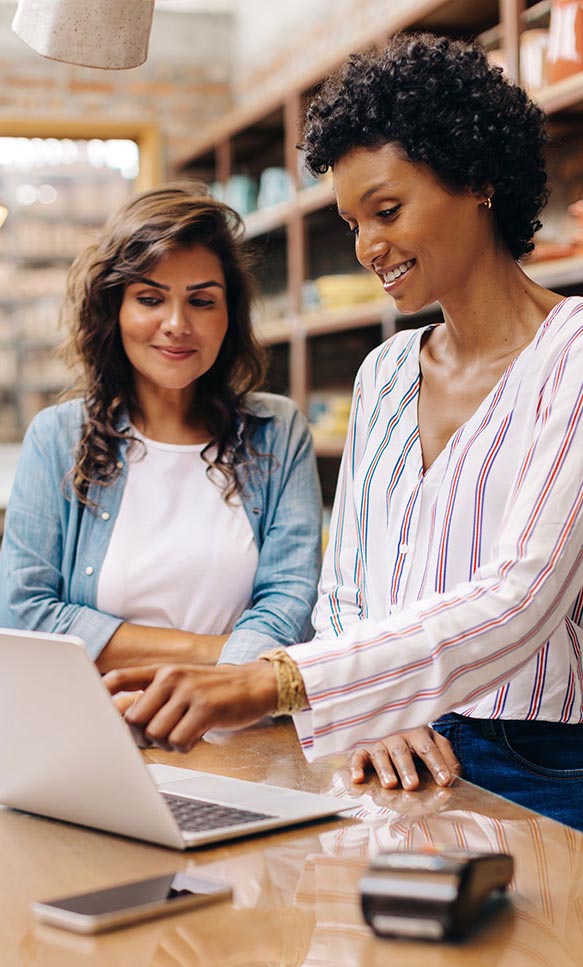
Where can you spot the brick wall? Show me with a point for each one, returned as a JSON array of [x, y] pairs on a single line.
[[276, 43], [185, 83]]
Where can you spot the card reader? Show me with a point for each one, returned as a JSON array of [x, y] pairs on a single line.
[[431, 896]]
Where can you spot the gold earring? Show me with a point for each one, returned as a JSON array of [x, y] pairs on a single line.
[[487, 203]]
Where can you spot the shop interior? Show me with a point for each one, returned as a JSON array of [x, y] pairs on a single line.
[[220, 98], [231, 117]]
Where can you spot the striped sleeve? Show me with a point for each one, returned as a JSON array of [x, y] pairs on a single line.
[[452, 648], [341, 599]]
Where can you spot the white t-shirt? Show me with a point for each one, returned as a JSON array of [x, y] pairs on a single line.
[[179, 555]]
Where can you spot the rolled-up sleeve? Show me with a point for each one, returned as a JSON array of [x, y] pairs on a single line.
[[39, 523]]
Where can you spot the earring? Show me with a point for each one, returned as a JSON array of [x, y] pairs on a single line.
[[487, 203]]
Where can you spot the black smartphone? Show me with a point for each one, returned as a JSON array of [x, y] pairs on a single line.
[[120, 905]]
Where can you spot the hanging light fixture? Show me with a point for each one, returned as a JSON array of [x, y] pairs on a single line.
[[111, 34]]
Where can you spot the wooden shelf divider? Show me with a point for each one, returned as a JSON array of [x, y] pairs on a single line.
[[495, 23]]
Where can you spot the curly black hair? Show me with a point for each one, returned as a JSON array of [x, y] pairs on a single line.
[[448, 108]]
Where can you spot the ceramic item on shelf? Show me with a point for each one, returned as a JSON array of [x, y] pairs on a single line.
[[274, 186], [217, 190], [533, 59], [240, 193], [328, 415], [565, 48], [576, 212], [548, 251], [111, 34], [347, 289]]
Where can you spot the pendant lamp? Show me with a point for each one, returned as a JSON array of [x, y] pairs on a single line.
[[111, 34]]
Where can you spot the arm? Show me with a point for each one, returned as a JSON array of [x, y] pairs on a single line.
[[284, 589], [41, 541], [341, 602], [341, 599], [133, 644], [386, 676], [392, 675], [40, 538]]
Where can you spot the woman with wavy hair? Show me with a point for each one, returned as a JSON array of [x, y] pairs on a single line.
[[171, 512], [451, 590]]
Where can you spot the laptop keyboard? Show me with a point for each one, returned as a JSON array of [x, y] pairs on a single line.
[[195, 815]]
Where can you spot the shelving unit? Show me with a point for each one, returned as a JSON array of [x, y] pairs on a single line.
[[58, 192], [60, 182], [300, 234], [36, 249]]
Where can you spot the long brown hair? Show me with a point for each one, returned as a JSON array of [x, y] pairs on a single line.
[[147, 228]]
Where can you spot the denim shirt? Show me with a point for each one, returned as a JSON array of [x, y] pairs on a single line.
[[54, 546]]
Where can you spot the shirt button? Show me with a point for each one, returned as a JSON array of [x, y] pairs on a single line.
[[403, 548], [119, 464], [89, 570], [256, 510], [105, 515]]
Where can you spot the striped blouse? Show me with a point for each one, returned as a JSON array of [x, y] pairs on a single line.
[[458, 588]]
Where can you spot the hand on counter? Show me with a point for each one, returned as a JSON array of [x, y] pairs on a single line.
[[181, 702], [392, 759]]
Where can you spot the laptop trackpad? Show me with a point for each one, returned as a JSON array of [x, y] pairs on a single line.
[[249, 795]]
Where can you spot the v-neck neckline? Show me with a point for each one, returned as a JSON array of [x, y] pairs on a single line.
[[425, 331]]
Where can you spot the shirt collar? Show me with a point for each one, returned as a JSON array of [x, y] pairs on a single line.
[[255, 404], [122, 423], [259, 405]]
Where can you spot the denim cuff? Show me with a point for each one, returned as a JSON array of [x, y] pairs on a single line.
[[244, 646]]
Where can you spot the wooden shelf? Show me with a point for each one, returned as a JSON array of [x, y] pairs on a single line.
[[272, 331], [293, 232], [306, 200], [266, 220], [39, 244], [330, 447], [38, 258], [433, 14], [320, 195], [348, 317], [554, 273], [328, 321], [531, 17], [563, 95], [557, 273]]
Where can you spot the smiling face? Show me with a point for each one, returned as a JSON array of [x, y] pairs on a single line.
[[417, 236], [173, 322]]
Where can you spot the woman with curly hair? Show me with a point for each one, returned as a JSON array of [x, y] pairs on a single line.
[[451, 591], [171, 513]]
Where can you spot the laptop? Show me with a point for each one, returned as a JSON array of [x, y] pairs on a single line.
[[66, 753]]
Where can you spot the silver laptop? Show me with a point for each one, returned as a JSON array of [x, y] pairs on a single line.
[[65, 752]]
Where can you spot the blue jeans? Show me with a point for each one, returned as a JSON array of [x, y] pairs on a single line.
[[536, 764]]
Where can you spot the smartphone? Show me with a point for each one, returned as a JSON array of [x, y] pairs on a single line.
[[120, 905]]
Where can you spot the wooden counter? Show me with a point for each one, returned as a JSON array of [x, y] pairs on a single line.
[[295, 892]]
